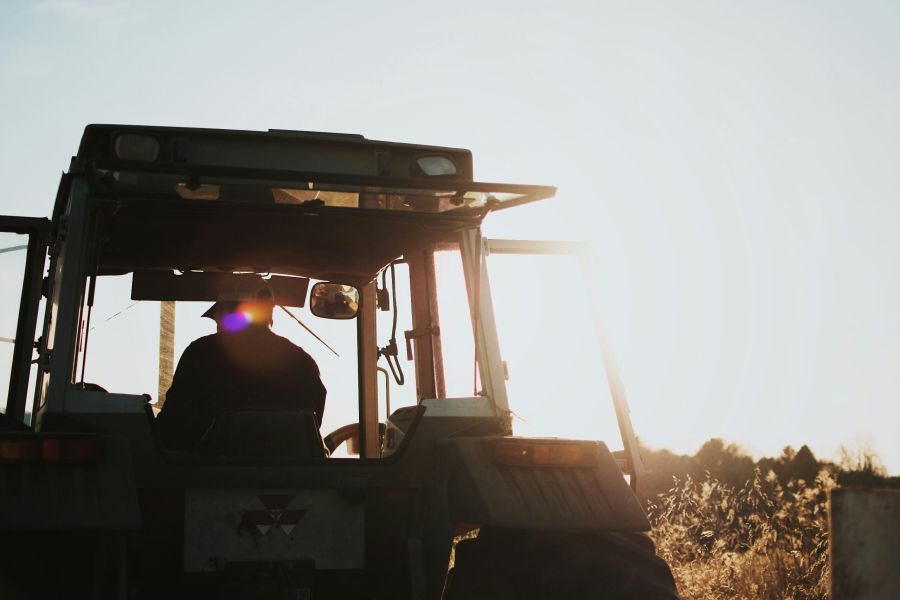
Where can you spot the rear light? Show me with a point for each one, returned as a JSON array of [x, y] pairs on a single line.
[[136, 146], [36, 448], [436, 166], [542, 454]]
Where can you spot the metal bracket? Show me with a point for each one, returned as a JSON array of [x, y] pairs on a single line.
[[418, 333]]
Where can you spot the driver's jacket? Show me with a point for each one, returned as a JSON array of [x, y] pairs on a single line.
[[245, 369]]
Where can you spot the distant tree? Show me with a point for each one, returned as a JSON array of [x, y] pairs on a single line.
[[803, 465], [787, 454], [661, 467], [767, 464], [710, 454], [726, 462]]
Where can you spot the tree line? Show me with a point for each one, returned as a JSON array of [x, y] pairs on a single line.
[[730, 464]]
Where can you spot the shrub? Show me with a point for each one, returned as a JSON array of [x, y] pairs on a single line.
[[761, 541]]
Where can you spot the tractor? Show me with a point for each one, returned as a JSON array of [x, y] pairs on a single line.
[[423, 493]]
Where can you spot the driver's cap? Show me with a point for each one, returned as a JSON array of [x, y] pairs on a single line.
[[242, 290]]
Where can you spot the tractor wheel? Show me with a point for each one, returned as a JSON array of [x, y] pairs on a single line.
[[514, 564]]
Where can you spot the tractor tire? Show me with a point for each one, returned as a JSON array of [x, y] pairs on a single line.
[[506, 564]]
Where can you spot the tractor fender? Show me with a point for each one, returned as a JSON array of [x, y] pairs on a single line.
[[70, 495], [588, 496]]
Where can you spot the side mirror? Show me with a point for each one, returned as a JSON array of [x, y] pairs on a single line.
[[334, 300]]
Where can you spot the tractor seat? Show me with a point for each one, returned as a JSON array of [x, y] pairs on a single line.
[[261, 433]]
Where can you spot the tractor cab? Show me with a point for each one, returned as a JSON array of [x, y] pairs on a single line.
[[372, 257]]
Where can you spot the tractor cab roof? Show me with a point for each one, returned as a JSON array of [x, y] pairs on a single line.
[[330, 206], [297, 168]]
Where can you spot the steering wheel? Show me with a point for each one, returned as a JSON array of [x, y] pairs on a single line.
[[347, 432]]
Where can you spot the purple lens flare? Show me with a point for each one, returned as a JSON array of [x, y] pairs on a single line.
[[236, 321]]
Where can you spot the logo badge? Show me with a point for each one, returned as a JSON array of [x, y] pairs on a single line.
[[275, 514]]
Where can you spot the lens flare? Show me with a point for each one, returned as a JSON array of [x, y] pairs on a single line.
[[236, 321]]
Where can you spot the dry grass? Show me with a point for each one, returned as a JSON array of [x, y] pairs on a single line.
[[762, 541]]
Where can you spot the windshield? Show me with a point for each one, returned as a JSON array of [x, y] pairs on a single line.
[[125, 351], [556, 383], [12, 266], [123, 346]]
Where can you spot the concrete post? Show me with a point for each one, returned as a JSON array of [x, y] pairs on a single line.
[[864, 532]]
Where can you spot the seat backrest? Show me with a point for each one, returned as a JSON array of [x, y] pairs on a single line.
[[262, 433]]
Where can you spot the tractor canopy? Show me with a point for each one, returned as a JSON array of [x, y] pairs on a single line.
[[330, 206]]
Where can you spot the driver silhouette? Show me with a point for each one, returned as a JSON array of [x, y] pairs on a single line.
[[243, 365]]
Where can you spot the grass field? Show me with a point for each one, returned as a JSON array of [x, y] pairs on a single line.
[[761, 541]]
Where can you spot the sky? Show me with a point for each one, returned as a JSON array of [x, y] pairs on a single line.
[[733, 166]]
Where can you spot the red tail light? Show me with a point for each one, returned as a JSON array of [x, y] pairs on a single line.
[[38, 448], [539, 454]]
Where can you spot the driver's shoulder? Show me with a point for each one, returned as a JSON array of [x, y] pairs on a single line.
[[206, 341], [284, 342], [288, 346], [202, 348]]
